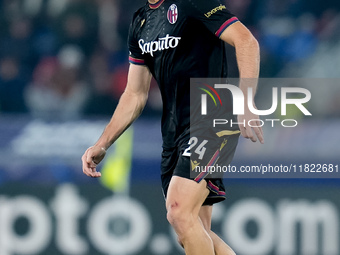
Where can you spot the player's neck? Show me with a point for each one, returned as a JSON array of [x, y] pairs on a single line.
[[153, 1]]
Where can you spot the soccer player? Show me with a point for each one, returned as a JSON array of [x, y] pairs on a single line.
[[173, 41]]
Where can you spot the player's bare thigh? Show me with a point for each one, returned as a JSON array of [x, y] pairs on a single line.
[[186, 194]]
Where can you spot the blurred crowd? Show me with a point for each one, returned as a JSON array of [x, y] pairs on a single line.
[[64, 59]]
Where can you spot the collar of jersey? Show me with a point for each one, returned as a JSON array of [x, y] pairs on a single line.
[[156, 5]]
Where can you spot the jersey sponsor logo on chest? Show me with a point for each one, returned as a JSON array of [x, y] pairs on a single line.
[[161, 44]]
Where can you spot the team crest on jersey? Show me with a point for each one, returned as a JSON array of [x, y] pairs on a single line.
[[173, 14]]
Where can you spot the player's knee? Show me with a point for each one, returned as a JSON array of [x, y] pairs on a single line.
[[179, 219], [176, 217]]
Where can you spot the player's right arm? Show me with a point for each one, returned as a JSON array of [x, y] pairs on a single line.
[[130, 106]]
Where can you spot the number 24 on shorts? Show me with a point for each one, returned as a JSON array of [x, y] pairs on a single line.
[[200, 150]]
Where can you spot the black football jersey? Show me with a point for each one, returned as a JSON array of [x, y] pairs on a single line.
[[178, 40]]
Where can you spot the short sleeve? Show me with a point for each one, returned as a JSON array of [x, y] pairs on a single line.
[[213, 14], [135, 53]]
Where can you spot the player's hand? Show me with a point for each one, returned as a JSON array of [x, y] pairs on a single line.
[[91, 158], [254, 130]]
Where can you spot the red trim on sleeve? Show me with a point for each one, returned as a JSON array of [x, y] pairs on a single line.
[[225, 25], [136, 61]]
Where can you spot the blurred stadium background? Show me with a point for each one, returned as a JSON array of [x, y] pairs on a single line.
[[63, 65]]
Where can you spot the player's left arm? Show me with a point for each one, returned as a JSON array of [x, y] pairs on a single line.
[[248, 61]]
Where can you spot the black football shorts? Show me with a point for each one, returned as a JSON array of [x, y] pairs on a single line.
[[196, 156]]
